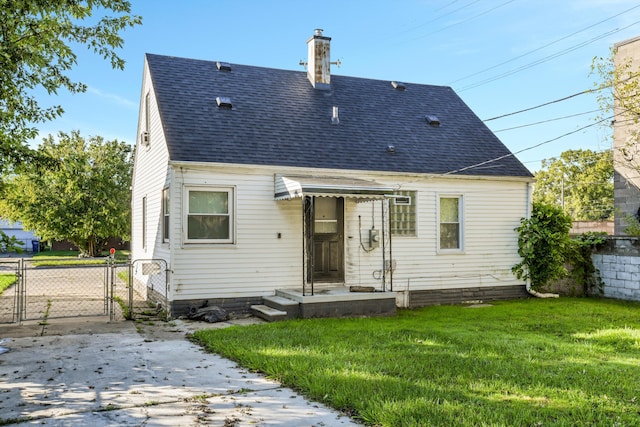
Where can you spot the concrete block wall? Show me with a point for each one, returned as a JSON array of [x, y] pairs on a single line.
[[619, 264]]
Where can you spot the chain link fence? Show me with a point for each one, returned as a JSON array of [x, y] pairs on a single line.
[[41, 290]]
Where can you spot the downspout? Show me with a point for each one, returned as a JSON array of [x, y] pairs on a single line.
[[528, 282]]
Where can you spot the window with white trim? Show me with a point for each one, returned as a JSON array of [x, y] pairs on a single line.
[[166, 211], [450, 231], [402, 217], [209, 215]]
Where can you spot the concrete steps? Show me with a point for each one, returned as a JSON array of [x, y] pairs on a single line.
[[276, 308]]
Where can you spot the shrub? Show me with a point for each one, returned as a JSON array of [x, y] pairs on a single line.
[[544, 245], [9, 243]]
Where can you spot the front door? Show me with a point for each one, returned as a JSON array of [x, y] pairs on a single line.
[[328, 239]]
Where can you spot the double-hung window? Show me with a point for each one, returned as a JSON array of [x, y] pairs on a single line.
[[209, 215], [450, 233]]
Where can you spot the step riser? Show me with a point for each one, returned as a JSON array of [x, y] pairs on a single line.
[[292, 308]]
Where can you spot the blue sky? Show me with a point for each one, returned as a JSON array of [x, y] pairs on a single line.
[[500, 56]]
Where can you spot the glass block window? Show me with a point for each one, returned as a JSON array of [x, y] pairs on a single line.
[[403, 213]]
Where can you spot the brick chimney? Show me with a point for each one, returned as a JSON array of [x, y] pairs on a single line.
[[318, 61]]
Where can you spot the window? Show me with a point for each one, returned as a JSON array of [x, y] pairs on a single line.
[[209, 215], [166, 210], [403, 213], [450, 222], [144, 222]]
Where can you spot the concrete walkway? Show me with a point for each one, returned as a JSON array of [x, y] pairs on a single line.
[[90, 372]]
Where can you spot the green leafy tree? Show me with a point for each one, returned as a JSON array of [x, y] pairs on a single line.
[[36, 41], [580, 182], [543, 245], [84, 200], [618, 96]]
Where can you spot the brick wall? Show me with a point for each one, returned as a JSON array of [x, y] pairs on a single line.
[[619, 264]]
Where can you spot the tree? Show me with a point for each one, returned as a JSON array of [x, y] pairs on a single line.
[[36, 39], [580, 182], [618, 98], [84, 200]]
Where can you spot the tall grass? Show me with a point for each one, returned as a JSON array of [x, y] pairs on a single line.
[[566, 362]]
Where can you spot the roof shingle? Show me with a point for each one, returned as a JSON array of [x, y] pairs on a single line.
[[279, 119]]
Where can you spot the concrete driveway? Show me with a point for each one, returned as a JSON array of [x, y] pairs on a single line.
[[91, 372]]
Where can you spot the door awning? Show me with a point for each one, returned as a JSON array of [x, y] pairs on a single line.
[[290, 187]]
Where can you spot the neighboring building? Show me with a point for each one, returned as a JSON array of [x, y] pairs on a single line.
[[252, 181], [626, 151], [26, 237]]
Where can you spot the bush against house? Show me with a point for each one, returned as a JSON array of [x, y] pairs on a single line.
[[544, 245], [85, 199]]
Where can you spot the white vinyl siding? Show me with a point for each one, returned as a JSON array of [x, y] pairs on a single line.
[[151, 174]]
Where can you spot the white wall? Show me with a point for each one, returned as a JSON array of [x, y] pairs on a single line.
[[259, 262], [150, 176]]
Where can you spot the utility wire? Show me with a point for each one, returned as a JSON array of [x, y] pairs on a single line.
[[543, 60], [555, 101], [526, 149], [464, 20], [542, 47], [437, 18], [546, 121]]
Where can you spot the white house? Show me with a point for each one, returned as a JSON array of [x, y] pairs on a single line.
[[251, 182]]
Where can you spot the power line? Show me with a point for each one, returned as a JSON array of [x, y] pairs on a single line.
[[526, 149], [464, 20], [544, 59], [543, 47], [437, 18], [555, 101], [545, 121]]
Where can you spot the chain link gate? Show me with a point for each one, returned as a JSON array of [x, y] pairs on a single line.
[[11, 290], [41, 290], [146, 289]]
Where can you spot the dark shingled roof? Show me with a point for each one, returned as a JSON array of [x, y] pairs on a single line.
[[279, 119]]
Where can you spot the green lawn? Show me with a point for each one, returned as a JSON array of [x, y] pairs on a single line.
[[564, 362], [6, 280], [71, 258]]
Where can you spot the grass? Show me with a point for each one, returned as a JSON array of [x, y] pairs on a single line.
[[566, 362], [6, 281], [50, 258]]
